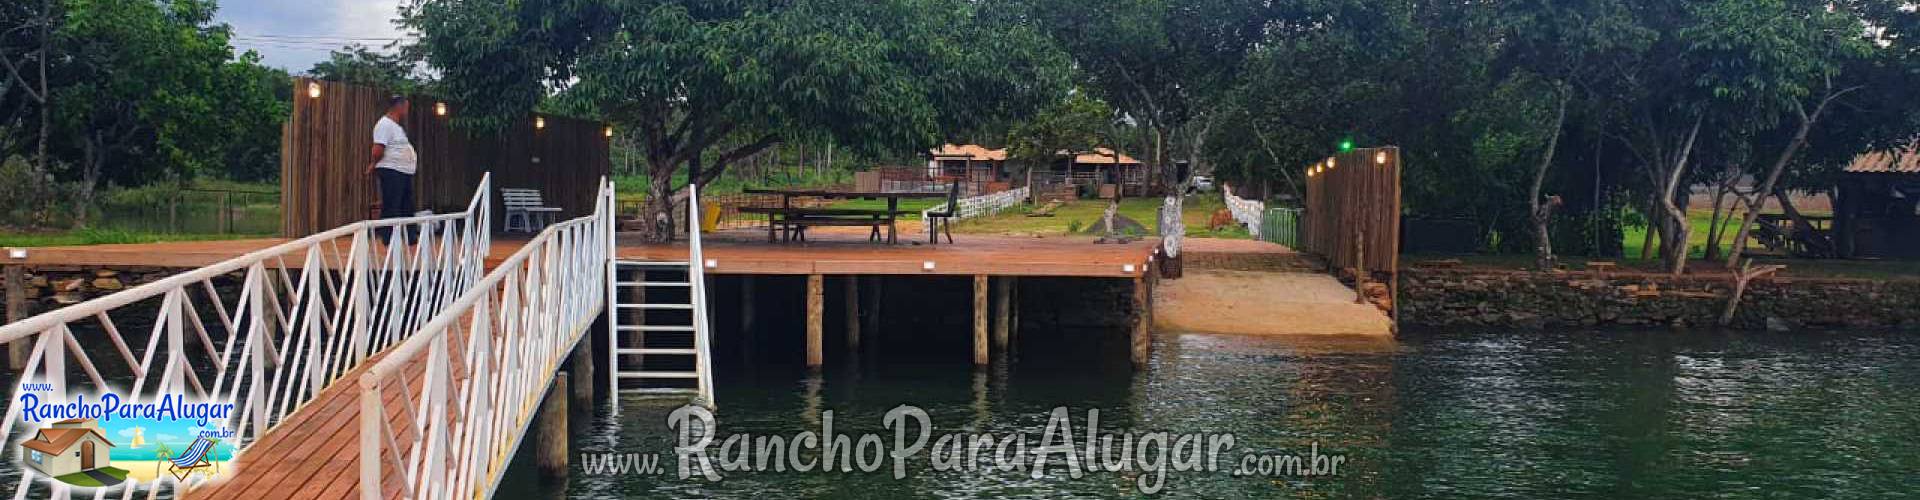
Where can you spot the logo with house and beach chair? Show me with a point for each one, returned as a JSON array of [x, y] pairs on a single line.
[[100, 449]]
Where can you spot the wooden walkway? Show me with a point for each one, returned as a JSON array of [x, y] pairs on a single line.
[[315, 452]]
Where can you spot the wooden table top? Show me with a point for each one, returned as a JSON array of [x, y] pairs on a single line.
[[829, 193]]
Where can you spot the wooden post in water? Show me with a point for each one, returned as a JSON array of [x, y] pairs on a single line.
[[580, 364], [17, 310], [747, 335], [746, 303], [1142, 338], [816, 297], [980, 320], [1002, 312], [550, 443], [853, 314]]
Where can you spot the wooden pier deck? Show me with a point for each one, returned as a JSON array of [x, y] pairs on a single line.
[[732, 252]]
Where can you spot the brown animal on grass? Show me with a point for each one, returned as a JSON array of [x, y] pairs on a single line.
[[1221, 218]]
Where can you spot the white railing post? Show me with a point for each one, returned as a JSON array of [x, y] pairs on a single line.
[[372, 420]]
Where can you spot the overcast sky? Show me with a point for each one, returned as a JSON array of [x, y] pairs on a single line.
[[294, 34]]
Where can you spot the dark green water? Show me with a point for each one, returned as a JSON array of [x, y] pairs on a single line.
[[1655, 414]]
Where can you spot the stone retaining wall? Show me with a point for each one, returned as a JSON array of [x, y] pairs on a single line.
[[53, 287], [1478, 297]]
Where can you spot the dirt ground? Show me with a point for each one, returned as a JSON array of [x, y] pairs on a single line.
[[1263, 303]]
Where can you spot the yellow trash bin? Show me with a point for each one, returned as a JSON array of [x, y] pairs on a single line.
[[709, 216]]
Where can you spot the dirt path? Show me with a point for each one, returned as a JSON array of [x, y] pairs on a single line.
[[1263, 303]]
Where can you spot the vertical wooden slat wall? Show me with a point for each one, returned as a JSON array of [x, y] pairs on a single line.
[[327, 144], [1359, 195]]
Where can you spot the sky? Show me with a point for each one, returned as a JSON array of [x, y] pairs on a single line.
[[294, 34]]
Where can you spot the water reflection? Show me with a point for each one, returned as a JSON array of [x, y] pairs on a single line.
[[1654, 414]]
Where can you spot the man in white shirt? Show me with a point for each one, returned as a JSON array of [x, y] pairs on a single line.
[[394, 160]]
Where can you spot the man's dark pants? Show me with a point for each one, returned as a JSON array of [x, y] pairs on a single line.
[[396, 198]]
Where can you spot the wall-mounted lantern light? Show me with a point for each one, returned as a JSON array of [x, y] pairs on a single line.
[[313, 90], [1380, 158], [440, 108], [1331, 164], [609, 132], [539, 122]]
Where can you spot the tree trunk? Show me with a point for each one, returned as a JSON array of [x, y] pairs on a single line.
[[1807, 121], [659, 212], [1676, 246], [1541, 211]]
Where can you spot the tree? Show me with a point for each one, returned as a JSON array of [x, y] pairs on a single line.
[[1793, 57], [708, 84], [139, 87], [29, 27], [359, 64], [1167, 65]]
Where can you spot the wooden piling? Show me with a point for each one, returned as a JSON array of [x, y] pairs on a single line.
[[1142, 339], [853, 314], [980, 320], [550, 443], [580, 365], [816, 297], [17, 310], [1002, 312], [746, 303], [876, 287]]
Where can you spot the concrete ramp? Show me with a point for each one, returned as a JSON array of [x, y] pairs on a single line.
[[1263, 303]]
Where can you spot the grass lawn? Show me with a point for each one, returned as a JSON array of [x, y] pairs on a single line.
[[914, 205], [11, 238]]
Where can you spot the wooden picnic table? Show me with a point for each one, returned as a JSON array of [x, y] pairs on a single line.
[[787, 215]]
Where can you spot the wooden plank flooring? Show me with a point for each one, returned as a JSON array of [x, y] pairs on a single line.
[[734, 251], [315, 451]]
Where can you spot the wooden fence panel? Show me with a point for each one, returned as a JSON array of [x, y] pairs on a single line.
[[1353, 209], [326, 146]]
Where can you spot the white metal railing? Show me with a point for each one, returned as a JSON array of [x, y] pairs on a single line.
[[469, 382], [1245, 211], [697, 283], [306, 312]]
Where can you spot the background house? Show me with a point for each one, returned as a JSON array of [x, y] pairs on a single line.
[[1878, 211]]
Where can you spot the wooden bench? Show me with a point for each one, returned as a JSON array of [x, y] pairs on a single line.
[[792, 223], [532, 212]]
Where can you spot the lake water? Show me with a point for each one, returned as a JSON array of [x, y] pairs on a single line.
[[1655, 414]]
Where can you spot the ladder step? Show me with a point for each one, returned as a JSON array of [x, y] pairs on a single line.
[[687, 307], [660, 390], [652, 263], [659, 375], [654, 283], [655, 328], [656, 350]]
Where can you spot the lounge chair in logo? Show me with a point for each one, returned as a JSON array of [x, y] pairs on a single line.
[[195, 458]]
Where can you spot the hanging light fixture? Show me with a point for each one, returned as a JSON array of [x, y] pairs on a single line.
[[440, 108], [313, 90]]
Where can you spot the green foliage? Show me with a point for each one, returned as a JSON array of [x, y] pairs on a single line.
[[359, 64]]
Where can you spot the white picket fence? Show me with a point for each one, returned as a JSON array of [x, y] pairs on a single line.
[[307, 312], [1245, 211], [986, 204]]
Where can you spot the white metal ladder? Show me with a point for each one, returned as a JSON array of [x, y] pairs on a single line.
[[657, 326]]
